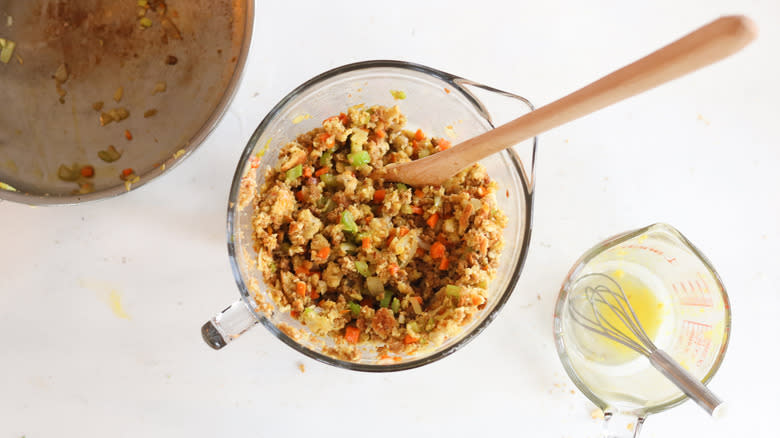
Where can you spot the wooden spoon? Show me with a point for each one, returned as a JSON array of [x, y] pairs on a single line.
[[700, 48]]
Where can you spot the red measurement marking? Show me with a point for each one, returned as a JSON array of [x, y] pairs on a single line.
[[691, 295], [652, 250], [646, 248], [696, 344], [706, 288], [696, 324]]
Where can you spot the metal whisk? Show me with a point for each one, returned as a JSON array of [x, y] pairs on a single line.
[[608, 297]]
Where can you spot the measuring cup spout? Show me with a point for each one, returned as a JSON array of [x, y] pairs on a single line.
[[228, 324]]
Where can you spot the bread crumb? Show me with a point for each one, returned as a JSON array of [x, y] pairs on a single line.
[[302, 367], [597, 414]]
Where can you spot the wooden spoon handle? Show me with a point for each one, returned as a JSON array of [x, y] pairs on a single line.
[[702, 47]]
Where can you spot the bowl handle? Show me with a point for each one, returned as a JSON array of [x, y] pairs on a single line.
[[503, 107], [228, 324]]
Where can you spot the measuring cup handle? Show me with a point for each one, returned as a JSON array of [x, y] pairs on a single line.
[[621, 424], [228, 324], [690, 385]]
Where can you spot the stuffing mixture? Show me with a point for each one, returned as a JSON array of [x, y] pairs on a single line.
[[365, 261]]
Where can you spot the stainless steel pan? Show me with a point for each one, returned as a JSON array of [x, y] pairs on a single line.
[[195, 49]]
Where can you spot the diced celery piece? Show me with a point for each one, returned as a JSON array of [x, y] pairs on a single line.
[[348, 222], [6, 50], [354, 308], [326, 159], [359, 158], [294, 173], [328, 179], [386, 299], [362, 268]]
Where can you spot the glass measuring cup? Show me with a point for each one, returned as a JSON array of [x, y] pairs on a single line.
[[440, 104], [680, 297]]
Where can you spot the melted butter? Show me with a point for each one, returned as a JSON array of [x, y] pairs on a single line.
[[648, 309]]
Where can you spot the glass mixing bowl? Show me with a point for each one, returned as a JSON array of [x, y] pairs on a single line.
[[440, 104]]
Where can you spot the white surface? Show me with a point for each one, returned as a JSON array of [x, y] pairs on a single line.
[[700, 154]]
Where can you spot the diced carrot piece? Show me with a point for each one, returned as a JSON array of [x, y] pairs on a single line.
[[403, 231], [481, 191], [393, 268], [365, 243], [307, 171], [351, 334], [87, 171], [416, 209], [302, 269], [379, 195], [433, 220], [437, 250], [321, 171], [300, 288], [419, 136], [380, 133], [419, 299], [295, 313], [445, 263], [343, 118], [127, 172], [418, 193], [299, 195], [444, 144], [324, 252], [409, 339], [128, 135], [326, 139], [314, 294], [330, 119], [447, 90]]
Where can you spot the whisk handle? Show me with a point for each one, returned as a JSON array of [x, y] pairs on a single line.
[[690, 385]]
